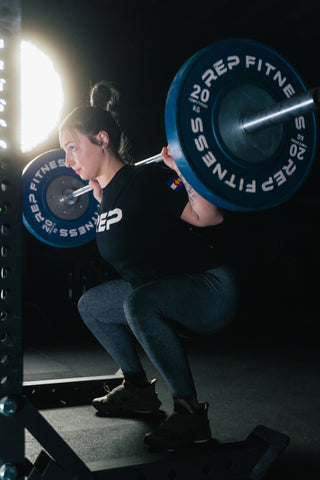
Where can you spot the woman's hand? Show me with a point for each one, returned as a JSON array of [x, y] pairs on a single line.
[[96, 190], [169, 160]]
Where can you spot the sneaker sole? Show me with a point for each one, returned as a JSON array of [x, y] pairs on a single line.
[[124, 411]]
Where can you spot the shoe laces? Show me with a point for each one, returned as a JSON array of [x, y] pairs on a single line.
[[108, 390]]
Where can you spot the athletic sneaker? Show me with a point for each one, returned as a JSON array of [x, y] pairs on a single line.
[[186, 426], [128, 398]]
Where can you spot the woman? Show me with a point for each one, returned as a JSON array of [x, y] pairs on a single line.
[[171, 277]]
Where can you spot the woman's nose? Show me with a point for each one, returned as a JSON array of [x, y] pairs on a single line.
[[69, 161]]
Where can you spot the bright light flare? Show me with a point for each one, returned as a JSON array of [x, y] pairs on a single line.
[[41, 96]]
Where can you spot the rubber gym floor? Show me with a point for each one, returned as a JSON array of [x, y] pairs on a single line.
[[249, 379]]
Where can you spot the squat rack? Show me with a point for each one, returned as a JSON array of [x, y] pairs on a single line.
[[250, 458]]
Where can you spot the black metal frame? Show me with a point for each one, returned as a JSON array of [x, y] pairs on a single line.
[[249, 459], [11, 440], [67, 392]]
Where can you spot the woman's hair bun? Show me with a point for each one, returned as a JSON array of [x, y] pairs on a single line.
[[105, 95]]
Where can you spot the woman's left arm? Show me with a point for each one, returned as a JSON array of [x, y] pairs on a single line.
[[198, 211]]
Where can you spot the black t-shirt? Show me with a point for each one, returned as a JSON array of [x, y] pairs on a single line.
[[139, 231]]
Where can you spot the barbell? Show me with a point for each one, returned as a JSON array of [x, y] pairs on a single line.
[[241, 127]]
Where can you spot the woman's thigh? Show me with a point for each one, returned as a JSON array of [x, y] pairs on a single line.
[[203, 303], [105, 302]]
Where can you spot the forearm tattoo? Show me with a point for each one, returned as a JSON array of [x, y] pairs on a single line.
[[191, 194]]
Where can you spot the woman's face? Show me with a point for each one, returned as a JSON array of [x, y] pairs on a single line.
[[83, 156]]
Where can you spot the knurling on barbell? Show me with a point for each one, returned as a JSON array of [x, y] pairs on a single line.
[[239, 122]]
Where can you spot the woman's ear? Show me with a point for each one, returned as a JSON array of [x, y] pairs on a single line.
[[103, 137]]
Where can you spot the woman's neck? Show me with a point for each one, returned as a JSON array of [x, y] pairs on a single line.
[[111, 167]]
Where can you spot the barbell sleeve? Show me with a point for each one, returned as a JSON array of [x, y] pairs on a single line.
[[81, 191], [282, 111]]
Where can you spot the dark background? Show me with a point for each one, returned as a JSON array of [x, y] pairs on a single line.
[[142, 45]]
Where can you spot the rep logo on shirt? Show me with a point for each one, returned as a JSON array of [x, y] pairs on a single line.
[[106, 219]]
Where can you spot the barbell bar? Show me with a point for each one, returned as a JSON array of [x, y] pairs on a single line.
[[240, 124], [251, 123], [81, 191]]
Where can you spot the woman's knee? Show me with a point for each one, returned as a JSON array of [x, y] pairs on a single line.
[[85, 307], [92, 304], [84, 302], [104, 303], [82, 305]]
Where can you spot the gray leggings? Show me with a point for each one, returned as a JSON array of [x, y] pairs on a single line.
[[156, 314]]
